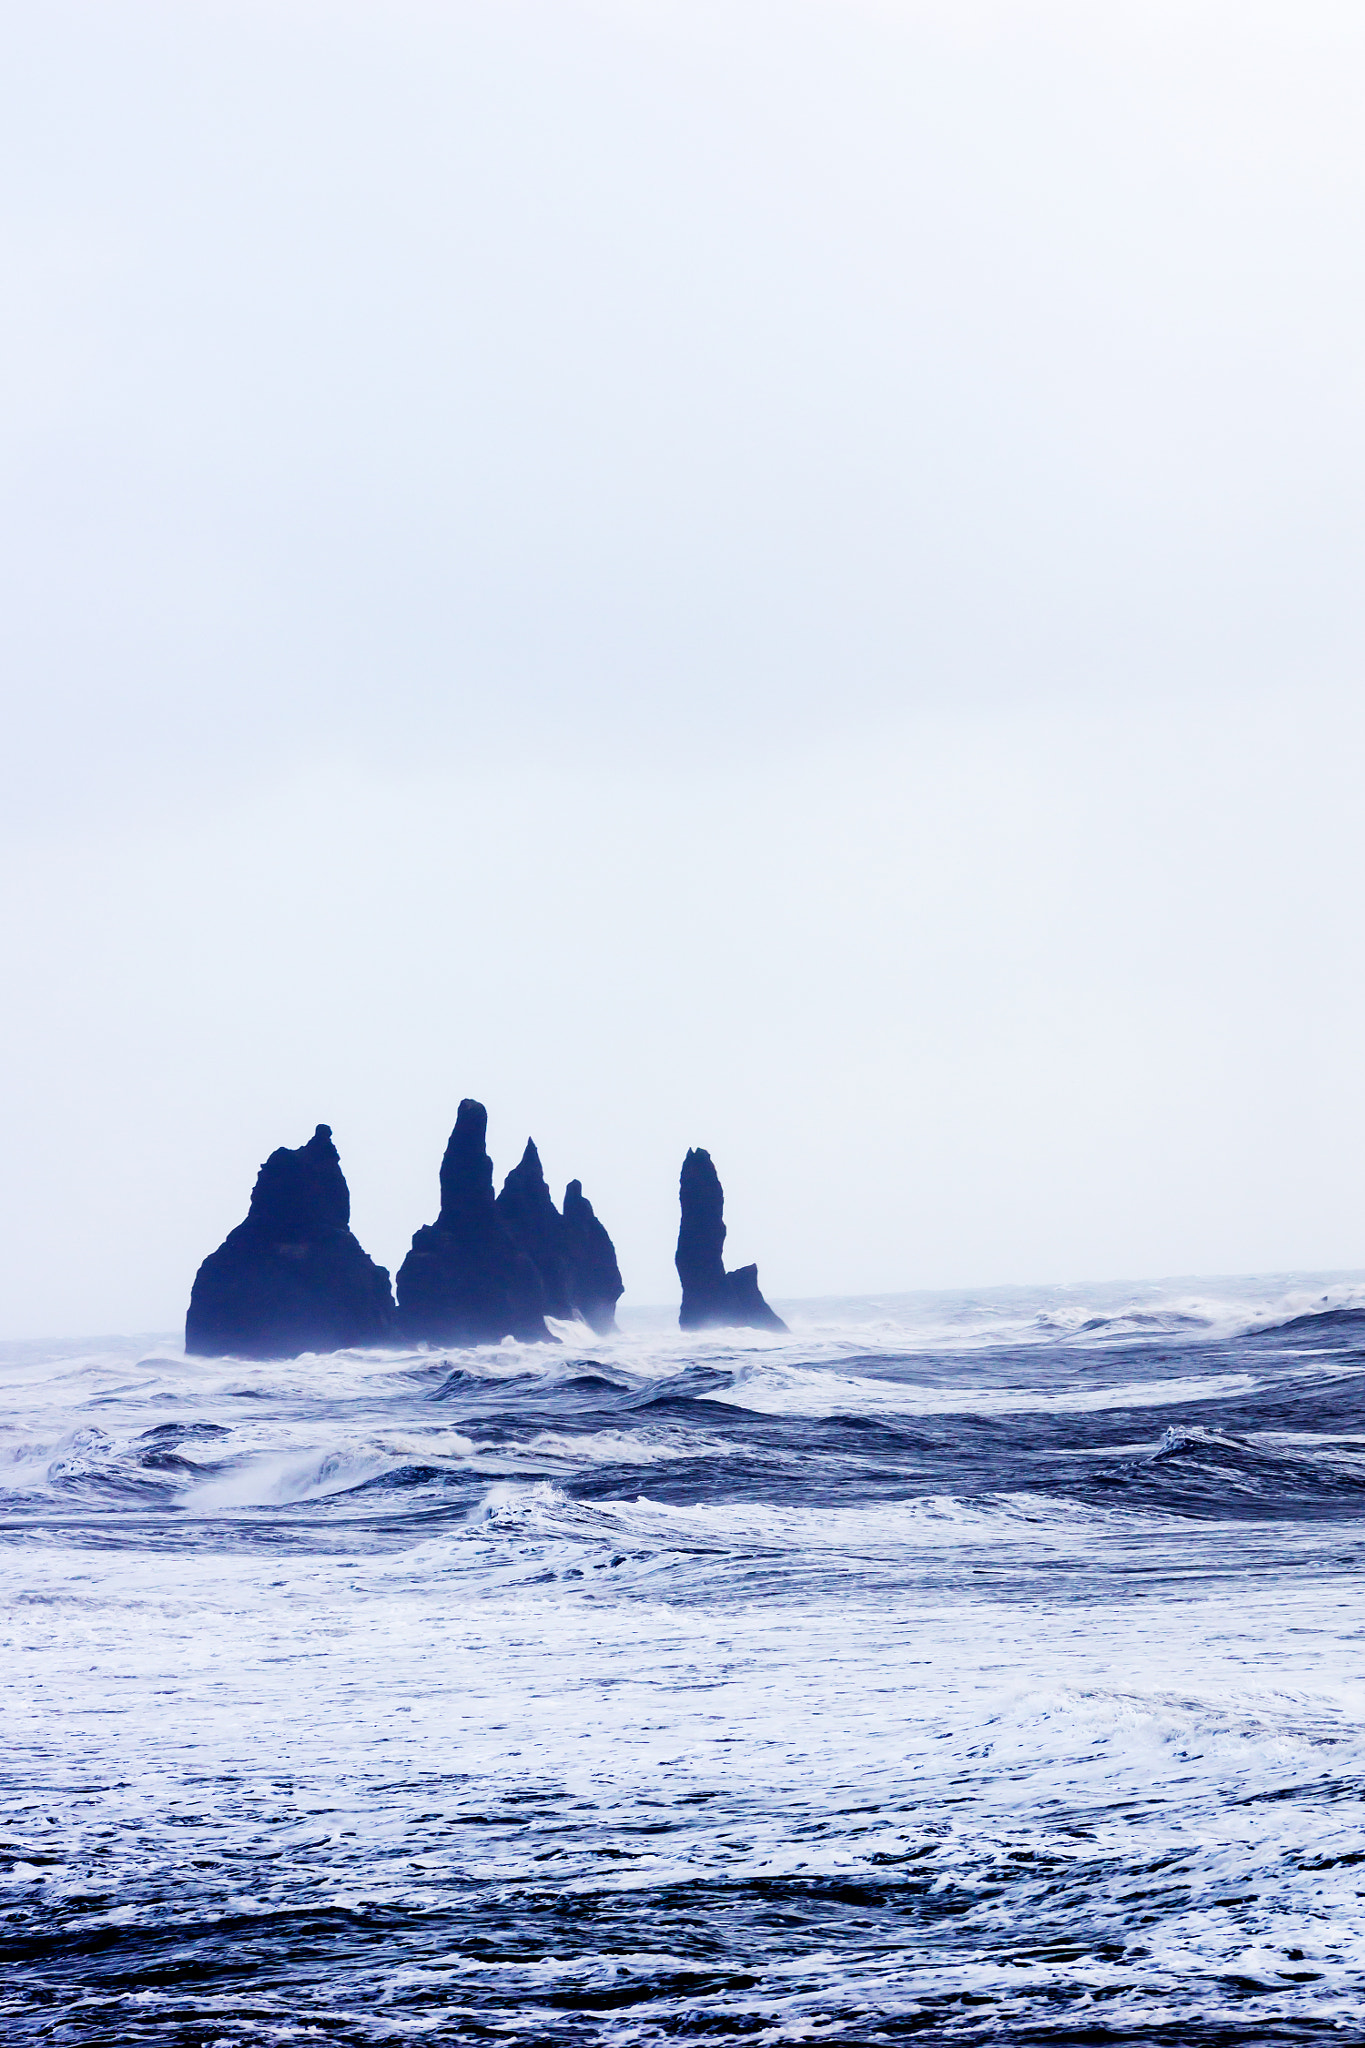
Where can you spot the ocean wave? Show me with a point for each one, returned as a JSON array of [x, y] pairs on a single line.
[[991, 1685], [773, 1389], [1204, 1470]]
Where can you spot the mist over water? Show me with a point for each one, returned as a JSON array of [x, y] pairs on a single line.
[[776, 577], [957, 1668]]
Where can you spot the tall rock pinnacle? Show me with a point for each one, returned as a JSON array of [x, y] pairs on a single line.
[[594, 1276], [710, 1295], [466, 1280], [528, 1212], [572, 1252], [292, 1277]]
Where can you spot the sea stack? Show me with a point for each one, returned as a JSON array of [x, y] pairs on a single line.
[[710, 1295], [572, 1252], [466, 1280], [291, 1278], [594, 1276], [528, 1213]]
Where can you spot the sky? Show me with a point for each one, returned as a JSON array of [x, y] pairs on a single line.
[[777, 577]]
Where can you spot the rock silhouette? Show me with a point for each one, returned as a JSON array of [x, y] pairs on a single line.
[[710, 1295], [466, 1279], [292, 1277], [527, 1208], [572, 1252], [594, 1276]]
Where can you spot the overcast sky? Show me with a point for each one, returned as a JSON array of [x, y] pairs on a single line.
[[784, 577]]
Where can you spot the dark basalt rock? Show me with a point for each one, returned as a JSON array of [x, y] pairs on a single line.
[[710, 1294], [594, 1276], [572, 1252], [292, 1278], [466, 1280], [527, 1208]]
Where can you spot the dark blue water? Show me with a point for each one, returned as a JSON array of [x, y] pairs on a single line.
[[976, 1669]]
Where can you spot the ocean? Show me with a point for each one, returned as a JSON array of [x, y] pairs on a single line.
[[971, 1668]]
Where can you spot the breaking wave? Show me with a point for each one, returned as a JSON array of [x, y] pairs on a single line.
[[976, 1668]]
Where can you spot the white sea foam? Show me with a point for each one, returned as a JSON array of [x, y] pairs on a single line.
[[802, 1390], [548, 1704]]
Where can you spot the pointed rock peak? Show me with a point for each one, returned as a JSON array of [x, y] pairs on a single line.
[[528, 1168], [467, 1280], [467, 1170], [527, 1209], [301, 1192]]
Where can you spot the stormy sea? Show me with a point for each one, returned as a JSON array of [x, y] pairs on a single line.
[[955, 1668]]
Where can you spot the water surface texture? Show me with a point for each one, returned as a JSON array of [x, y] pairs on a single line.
[[952, 1669]]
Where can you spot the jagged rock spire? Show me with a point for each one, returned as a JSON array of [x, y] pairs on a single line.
[[527, 1208], [292, 1277], [466, 1280], [466, 1169], [572, 1252], [710, 1295]]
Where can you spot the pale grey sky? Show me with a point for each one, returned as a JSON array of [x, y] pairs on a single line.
[[783, 577]]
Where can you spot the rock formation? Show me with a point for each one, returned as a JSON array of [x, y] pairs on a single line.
[[292, 1277], [594, 1276], [710, 1294], [527, 1208], [572, 1252], [466, 1280]]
